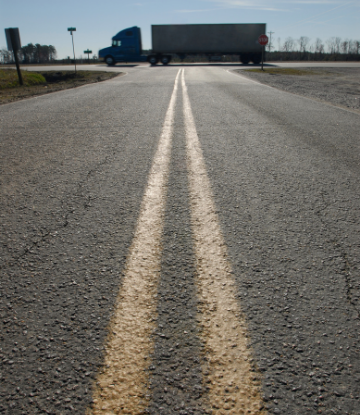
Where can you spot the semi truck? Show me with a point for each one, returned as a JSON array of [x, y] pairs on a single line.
[[182, 40]]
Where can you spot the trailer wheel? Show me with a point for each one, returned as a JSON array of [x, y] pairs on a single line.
[[256, 59], [165, 60], [153, 60], [244, 59], [110, 60]]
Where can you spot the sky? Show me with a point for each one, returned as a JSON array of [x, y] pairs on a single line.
[[46, 22]]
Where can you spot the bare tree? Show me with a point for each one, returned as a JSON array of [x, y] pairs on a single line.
[[331, 45], [337, 44], [319, 46], [351, 46], [5, 56], [357, 46], [345, 46], [303, 43], [289, 44]]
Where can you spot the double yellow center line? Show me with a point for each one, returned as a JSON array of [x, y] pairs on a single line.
[[122, 386]]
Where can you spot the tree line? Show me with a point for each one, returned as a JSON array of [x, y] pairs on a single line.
[[31, 54], [303, 48]]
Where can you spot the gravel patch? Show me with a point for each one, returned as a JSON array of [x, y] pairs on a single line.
[[339, 86]]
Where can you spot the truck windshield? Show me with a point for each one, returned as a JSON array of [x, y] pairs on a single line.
[[116, 43]]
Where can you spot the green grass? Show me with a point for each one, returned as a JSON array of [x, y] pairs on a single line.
[[9, 78], [285, 71]]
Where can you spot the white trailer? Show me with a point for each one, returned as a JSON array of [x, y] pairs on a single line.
[[207, 39]]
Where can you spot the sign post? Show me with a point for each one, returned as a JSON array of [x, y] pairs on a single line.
[[71, 30], [88, 51], [263, 40], [14, 44]]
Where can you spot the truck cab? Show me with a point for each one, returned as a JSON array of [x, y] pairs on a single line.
[[125, 47]]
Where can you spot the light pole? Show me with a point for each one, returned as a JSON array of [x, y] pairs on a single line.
[[71, 30]]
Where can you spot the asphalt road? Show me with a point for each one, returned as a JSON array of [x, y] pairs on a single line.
[[130, 67], [283, 172]]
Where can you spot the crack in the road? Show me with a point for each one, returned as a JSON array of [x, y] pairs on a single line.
[[317, 212], [26, 250], [67, 211], [346, 272], [348, 284]]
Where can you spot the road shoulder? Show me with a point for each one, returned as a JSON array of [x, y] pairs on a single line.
[[337, 86], [54, 81]]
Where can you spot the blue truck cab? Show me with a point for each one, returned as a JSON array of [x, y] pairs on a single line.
[[125, 47]]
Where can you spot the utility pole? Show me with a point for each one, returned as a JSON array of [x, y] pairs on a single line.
[[71, 30], [270, 43]]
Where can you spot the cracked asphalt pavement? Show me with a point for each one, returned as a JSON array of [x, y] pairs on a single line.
[[284, 172]]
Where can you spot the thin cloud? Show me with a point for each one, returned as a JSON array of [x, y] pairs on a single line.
[[317, 2], [222, 8], [195, 11], [304, 21], [326, 21], [245, 4], [264, 5]]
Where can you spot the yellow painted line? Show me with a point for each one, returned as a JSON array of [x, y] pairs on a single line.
[[121, 387], [234, 388]]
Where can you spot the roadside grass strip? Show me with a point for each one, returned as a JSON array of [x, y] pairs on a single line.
[[288, 71], [9, 78], [122, 385], [234, 385]]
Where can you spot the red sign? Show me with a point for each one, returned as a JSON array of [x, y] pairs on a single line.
[[263, 40]]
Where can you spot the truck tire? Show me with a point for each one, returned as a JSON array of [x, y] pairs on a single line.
[[245, 59], [153, 60], [256, 59], [110, 60], [165, 60]]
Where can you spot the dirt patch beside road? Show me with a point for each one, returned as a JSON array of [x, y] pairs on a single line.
[[339, 86], [47, 81]]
